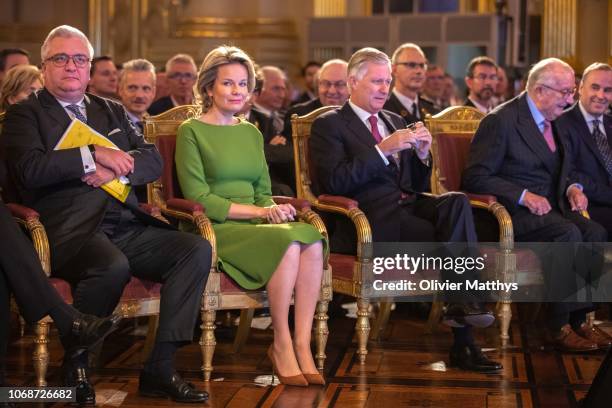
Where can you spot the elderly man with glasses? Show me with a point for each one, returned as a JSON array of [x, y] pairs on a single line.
[[408, 66], [98, 242], [181, 75], [518, 156]]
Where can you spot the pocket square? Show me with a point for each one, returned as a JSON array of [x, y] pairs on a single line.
[[112, 132]]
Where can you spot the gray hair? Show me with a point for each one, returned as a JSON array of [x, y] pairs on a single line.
[[271, 69], [64, 31], [398, 51], [327, 64], [596, 66], [357, 63], [136, 65], [180, 58], [543, 72], [219, 56]]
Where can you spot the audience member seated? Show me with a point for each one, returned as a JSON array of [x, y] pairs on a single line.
[[136, 92], [309, 74], [22, 276], [180, 77], [10, 57], [366, 153], [516, 157], [332, 90], [19, 82], [503, 90], [221, 164], [98, 242], [588, 130], [450, 92], [434, 86], [161, 84], [266, 110], [481, 80], [409, 66], [103, 78]]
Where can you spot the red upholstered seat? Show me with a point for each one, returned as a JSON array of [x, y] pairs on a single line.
[[136, 289], [342, 265]]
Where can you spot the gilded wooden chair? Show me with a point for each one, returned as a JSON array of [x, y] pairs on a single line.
[[351, 273], [452, 131], [223, 293]]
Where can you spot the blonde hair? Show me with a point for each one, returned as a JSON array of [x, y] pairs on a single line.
[[17, 79], [219, 56]]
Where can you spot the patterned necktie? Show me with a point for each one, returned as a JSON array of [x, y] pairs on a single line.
[[415, 110], [548, 136], [374, 124], [602, 144], [77, 112], [277, 123]]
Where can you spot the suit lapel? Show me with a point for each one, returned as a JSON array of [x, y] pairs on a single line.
[[356, 126], [584, 133], [531, 135], [57, 114], [96, 116]]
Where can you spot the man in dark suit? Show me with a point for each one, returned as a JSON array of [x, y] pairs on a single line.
[[181, 75], [332, 90], [309, 73], [22, 276], [588, 130], [516, 157], [97, 242], [409, 66], [366, 153], [481, 80]]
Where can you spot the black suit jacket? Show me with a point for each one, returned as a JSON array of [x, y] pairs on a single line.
[[50, 180], [468, 102], [509, 154], [347, 163], [425, 107], [588, 165], [301, 109], [160, 106]]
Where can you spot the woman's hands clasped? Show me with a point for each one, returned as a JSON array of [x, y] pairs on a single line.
[[278, 214]]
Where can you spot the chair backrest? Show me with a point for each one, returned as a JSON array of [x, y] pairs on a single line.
[[304, 170], [452, 131], [161, 130]]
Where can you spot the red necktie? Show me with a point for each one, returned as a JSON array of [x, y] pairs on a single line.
[[374, 124], [548, 136]]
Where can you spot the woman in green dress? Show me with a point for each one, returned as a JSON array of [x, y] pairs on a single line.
[[220, 163]]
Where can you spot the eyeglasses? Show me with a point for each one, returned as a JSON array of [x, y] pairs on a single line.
[[484, 77], [60, 60], [182, 75], [413, 65], [328, 84], [564, 92]]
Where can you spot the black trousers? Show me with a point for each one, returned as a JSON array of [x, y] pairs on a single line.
[[571, 228], [22, 275], [123, 247]]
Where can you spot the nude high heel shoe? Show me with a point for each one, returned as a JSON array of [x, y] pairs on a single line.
[[297, 380]]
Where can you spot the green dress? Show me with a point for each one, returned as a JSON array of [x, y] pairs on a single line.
[[219, 165]]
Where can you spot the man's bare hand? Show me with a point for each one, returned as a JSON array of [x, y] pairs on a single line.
[[423, 138], [278, 140], [102, 175], [120, 162], [399, 140], [537, 204], [577, 199]]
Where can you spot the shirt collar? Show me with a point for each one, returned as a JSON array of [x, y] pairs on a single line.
[[135, 119], [587, 116], [535, 113], [405, 100], [480, 107], [263, 110], [361, 113], [80, 104]]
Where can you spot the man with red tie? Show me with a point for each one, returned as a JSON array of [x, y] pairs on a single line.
[[366, 153]]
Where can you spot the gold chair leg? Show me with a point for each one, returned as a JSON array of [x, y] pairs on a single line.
[[434, 317], [380, 323], [504, 314], [208, 342], [321, 332], [244, 328], [151, 333], [362, 328], [40, 356]]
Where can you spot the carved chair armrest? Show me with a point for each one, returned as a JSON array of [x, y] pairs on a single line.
[[339, 202], [29, 218], [153, 210], [490, 203], [483, 200]]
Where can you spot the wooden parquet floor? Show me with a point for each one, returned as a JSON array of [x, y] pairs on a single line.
[[405, 368]]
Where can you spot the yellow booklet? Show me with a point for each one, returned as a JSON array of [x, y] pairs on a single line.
[[78, 134]]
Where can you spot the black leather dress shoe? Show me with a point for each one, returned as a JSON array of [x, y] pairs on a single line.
[[467, 314], [176, 388], [471, 358], [77, 377], [87, 331]]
